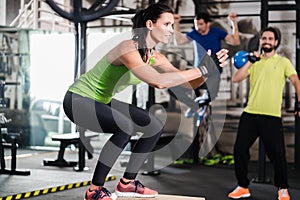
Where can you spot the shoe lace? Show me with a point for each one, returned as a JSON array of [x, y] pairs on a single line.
[[138, 184], [101, 193]]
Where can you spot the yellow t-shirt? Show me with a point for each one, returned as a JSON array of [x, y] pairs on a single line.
[[267, 80]]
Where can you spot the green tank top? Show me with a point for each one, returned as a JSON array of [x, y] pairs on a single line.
[[103, 81]]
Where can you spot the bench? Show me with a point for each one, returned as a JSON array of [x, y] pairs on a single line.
[[66, 140], [13, 146]]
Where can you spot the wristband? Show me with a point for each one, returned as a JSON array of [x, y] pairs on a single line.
[[218, 63], [252, 58], [216, 60], [297, 106], [203, 70], [213, 75]]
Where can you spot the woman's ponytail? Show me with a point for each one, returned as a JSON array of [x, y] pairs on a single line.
[[139, 33]]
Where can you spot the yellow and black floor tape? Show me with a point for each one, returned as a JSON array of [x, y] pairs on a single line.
[[52, 189]]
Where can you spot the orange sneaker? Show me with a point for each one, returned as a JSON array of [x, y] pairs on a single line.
[[134, 189], [283, 194], [239, 192]]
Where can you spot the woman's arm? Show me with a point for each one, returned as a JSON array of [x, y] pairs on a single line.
[[127, 54], [162, 64], [151, 76]]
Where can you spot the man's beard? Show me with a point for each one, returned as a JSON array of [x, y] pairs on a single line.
[[268, 49]]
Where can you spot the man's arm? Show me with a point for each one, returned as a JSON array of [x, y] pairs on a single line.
[[296, 82], [179, 37], [242, 73], [234, 37]]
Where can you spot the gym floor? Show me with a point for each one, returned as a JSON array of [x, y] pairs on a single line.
[[198, 180]]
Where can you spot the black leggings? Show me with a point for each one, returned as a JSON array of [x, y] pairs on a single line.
[[270, 130], [121, 119]]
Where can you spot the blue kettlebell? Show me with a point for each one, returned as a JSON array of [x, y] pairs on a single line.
[[240, 58]]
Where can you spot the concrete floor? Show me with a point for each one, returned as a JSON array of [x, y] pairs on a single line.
[[198, 180]]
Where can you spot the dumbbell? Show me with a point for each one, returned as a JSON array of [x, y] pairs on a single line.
[[240, 58]]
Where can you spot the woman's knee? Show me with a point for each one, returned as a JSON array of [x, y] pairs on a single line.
[[157, 126], [120, 139]]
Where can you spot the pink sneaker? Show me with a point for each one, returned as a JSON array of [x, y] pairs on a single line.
[[99, 194], [134, 189]]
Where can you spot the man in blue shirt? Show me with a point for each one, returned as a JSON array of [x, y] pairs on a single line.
[[206, 39]]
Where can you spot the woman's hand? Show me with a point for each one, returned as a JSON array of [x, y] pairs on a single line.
[[222, 56], [210, 62]]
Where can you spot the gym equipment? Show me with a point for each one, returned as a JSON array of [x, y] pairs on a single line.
[[65, 140], [12, 136], [80, 16], [3, 83], [240, 58], [13, 146]]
